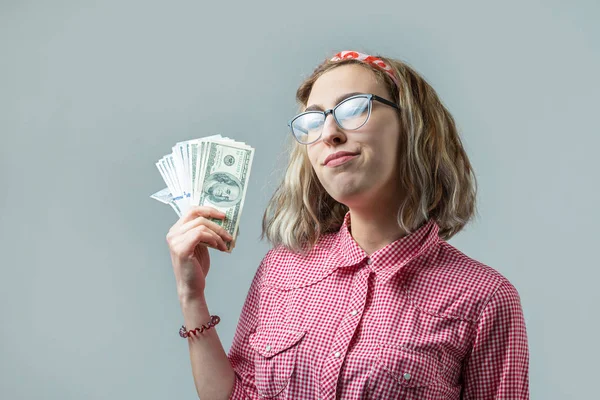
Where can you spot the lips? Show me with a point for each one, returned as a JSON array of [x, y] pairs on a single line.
[[339, 158]]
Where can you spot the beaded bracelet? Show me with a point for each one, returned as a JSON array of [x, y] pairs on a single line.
[[214, 320]]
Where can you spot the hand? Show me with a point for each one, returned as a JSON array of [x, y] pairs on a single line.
[[188, 239]]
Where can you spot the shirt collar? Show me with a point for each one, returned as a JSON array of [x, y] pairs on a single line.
[[386, 261]]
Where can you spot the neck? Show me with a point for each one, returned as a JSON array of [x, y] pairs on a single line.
[[374, 229]]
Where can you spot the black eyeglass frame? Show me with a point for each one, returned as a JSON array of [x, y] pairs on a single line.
[[331, 111]]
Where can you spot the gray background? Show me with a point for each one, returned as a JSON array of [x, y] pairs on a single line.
[[93, 93]]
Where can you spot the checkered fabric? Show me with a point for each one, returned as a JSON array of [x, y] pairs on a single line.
[[417, 319]]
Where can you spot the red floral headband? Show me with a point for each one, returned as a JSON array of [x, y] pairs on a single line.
[[372, 60]]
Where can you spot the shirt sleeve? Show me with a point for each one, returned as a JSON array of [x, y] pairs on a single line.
[[498, 365], [241, 355]]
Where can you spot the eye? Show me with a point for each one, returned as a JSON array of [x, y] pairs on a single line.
[[309, 122], [353, 108], [313, 124]]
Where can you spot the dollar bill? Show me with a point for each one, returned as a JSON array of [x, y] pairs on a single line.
[[210, 171], [224, 181], [165, 196]]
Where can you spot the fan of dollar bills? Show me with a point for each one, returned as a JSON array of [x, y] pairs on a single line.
[[211, 171]]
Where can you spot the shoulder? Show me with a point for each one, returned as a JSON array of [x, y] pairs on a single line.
[[282, 268], [445, 281]]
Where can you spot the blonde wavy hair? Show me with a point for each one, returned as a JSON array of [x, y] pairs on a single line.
[[435, 173]]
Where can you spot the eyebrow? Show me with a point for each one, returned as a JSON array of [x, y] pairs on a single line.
[[317, 107]]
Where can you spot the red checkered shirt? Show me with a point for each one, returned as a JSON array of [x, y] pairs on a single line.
[[417, 319]]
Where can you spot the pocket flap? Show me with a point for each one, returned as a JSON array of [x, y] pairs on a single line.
[[269, 342], [408, 367]]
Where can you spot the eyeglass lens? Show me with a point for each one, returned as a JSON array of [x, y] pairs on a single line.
[[349, 114]]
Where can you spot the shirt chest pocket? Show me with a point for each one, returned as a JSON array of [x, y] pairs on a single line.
[[275, 359], [401, 373]]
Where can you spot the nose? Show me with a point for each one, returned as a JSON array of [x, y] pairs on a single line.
[[332, 133]]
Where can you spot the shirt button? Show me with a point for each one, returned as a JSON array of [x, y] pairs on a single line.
[[337, 354], [268, 347], [406, 376], [354, 312], [369, 261]]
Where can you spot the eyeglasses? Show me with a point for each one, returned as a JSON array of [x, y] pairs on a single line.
[[349, 114]]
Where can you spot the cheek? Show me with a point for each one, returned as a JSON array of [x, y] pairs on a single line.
[[313, 156], [384, 156], [390, 162]]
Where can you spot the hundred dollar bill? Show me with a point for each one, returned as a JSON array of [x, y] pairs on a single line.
[[165, 196], [220, 163], [224, 181], [195, 161]]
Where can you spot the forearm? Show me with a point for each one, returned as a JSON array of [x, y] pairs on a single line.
[[213, 375]]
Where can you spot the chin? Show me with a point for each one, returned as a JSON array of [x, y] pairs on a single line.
[[349, 188], [347, 197], [356, 195]]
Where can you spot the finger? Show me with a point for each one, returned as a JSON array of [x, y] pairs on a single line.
[[192, 239], [195, 212], [179, 242], [203, 234], [218, 229]]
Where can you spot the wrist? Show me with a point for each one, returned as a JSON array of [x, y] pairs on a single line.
[[188, 295], [185, 333], [196, 304]]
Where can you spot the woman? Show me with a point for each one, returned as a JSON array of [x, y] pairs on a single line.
[[361, 295]]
